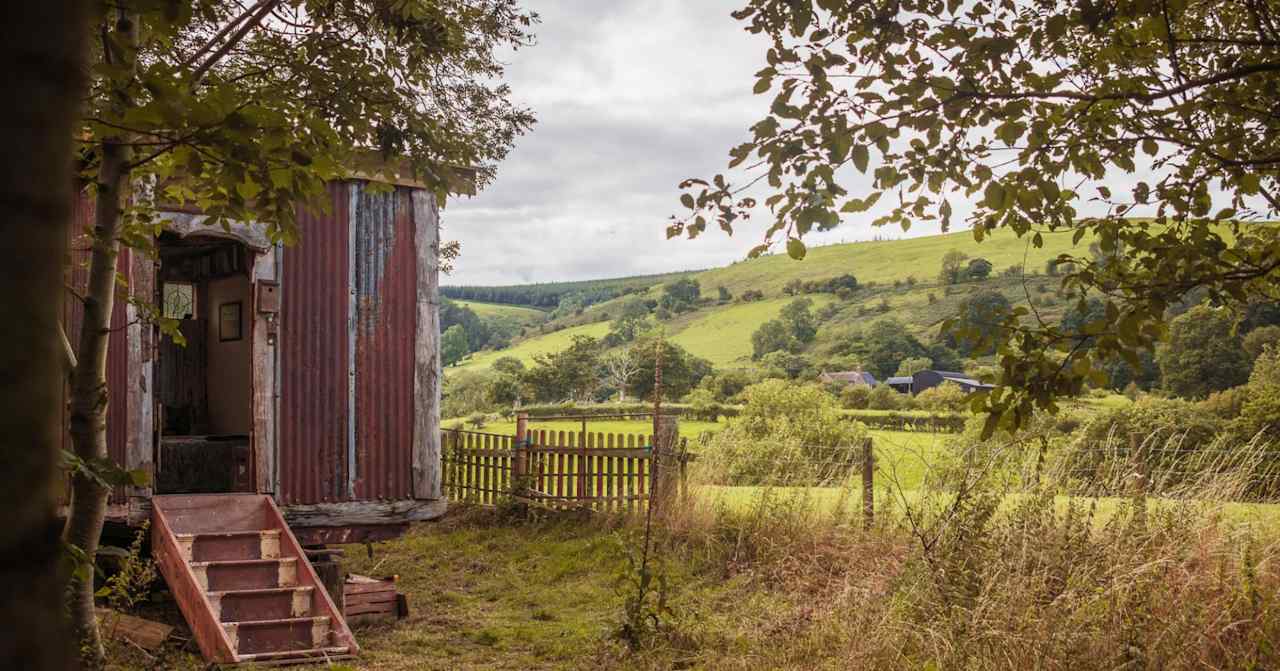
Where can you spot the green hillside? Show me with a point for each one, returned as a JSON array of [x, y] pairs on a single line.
[[883, 260], [498, 310], [722, 335], [526, 349], [898, 280]]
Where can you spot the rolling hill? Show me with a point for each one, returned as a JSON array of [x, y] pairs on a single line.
[[898, 279]]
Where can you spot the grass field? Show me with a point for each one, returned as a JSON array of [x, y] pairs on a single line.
[[723, 335], [526, 349], [521, 313], [884, 261]]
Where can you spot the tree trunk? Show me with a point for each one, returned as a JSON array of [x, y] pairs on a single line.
[[42, 53], [89, 398]]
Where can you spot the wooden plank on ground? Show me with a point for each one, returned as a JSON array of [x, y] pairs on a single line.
[[143, 633]]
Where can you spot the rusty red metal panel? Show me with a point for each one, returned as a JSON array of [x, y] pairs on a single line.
[[313, 350], [77, 278], [385, 273]]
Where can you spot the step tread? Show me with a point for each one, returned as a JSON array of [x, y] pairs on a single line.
[[229, 534], [283, 620], [244, 562], [330, 652], [261, 590]]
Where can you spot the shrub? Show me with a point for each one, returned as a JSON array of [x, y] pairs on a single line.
[[1257, 340], [784, 434], [1225, 404], [1153, 418], [703, 405], [942, 398], [883, 397], [855, 396]]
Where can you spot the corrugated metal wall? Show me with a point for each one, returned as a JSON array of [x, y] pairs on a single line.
[[386, 271], [314, 357], [79, 245]]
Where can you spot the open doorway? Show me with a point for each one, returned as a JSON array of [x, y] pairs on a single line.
[[204, 409]]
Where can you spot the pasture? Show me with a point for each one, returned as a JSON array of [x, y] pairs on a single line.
[[525, 350], [524, 315]]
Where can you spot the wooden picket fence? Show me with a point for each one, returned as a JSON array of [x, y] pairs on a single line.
[[561, 469]]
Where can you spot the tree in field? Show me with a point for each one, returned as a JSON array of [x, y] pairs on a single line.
[[572, 374], [681, 371], [884, 345], [620, 368], [977, 269], [952, 271], [723, 295], [244, 110], [798, 317], [772, 336], [912, 365], [978, 324], [1037, 113], [680, 295], [454, 345], [42, 52], [1202, 354]]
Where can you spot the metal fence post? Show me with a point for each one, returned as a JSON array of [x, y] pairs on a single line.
[[868, 483]]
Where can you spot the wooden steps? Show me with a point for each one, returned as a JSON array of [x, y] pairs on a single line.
[[243, 583]]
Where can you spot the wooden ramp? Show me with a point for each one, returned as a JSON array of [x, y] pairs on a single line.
[[242, 581]]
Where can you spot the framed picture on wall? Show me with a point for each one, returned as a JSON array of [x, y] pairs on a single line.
[[229, 324]]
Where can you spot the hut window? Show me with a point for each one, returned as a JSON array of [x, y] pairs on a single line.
[[179, 300]]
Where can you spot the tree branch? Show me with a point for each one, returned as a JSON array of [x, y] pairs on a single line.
[[260, 12]]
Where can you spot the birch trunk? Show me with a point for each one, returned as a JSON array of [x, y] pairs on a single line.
[[89, 397], [42, 49]]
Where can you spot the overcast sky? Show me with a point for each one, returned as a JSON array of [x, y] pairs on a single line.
[[631, 97]]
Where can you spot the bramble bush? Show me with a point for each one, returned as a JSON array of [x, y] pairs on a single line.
[[785, 434]]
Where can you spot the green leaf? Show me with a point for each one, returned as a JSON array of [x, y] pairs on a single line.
[[860, 156], [687, 200], [796, 249]]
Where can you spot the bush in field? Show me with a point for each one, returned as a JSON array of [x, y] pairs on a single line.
[[1153, 418], [1260, 410], [883, 397], [942, 398], [703, 405], [1225, 404], [855, 396], [785, 434], [1171, 433], [1257, 340], [784, 365], [727, 384]]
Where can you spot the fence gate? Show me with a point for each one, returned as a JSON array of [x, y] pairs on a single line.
[[609, 472]]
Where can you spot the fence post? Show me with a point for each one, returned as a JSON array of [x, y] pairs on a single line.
[[520, 465], [868, 483], [1139, 486], [663, 462]]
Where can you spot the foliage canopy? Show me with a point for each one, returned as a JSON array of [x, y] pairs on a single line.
[[1032, 111]]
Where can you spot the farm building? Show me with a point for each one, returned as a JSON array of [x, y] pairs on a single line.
[[310, 372], [900, 383], [926, 379], [854, 377], [303, 409]]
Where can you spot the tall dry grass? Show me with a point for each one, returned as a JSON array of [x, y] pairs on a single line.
[[997, 563]]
